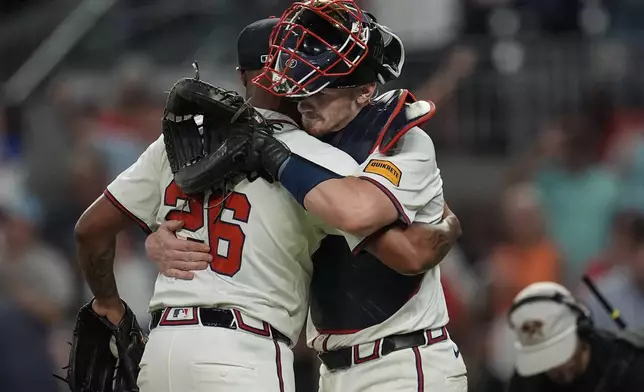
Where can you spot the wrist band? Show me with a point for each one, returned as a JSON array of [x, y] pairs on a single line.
[[298, 176]]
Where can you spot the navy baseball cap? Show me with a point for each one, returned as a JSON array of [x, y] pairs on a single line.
[[253, 44]]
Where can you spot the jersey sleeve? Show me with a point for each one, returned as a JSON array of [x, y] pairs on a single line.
[[409, 176], [137, 191], [318, 152]]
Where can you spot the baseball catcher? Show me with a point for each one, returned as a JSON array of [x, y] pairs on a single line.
[[104, 357]]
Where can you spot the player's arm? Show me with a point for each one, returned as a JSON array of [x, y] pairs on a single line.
[[384, 189], [351, 204], [411, 185], [95, 234], [418, 248], [134, 195], [321, 178]]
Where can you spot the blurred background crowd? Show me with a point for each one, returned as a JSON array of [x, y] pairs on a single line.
[[539, 137]]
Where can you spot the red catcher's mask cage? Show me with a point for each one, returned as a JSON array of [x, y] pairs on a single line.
[[314, 43]]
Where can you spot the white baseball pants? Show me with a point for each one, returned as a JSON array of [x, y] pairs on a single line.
[[435, 368], [196, 358]]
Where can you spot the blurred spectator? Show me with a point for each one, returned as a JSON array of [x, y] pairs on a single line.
[[10, 133], [125, 130], [47, 145], [86, 180], [579, 196], [620, 246], [527, 255], [11, 174], [627, 159], [35, 292], [623, 286]]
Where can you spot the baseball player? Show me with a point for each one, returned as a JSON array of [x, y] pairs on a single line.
[[377, 329], [255, 289], [330, 55], [232, 327]]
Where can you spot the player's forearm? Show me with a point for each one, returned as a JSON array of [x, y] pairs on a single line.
[[395, 251], [95, 234], [436, 242], [348, 203], [352, 205], [96, 260], [417, 249]]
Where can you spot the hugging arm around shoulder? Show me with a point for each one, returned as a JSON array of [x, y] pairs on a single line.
[[418, 248], [388, 191], [384, 189], [320, 177]]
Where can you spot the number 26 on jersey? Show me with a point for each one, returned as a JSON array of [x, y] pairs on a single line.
[[226, 240]]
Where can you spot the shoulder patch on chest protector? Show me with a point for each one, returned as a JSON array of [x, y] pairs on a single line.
[[384, 169]]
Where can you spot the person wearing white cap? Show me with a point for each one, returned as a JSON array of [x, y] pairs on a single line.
[[559, 349]]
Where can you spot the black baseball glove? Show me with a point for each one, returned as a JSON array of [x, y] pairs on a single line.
[[220, 149], [93, 365]]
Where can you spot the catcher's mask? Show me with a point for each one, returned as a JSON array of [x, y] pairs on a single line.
[[318, 44]]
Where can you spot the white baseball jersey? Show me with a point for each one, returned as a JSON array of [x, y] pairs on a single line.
[[409, 175], [261, 239]]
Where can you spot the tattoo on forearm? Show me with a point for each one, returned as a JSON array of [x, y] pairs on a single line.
[[441, 244], [442, 241], [98, 266]]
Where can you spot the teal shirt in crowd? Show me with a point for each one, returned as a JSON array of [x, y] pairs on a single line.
[[579, 207], [632, 174]]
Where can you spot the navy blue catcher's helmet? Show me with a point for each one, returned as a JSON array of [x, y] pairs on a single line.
[[329, 43]]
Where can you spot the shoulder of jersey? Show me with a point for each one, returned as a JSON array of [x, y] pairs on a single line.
[[418, 136], [323, 154], [158, 151]]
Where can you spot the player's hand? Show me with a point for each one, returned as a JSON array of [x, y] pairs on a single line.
[[267, 156], [174, 257], [112, 309], [453, 225]]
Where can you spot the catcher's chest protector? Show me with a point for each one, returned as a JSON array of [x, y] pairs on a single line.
[[379, 125], [382, 124]]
